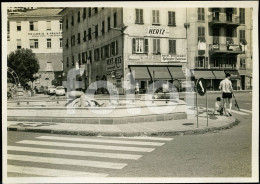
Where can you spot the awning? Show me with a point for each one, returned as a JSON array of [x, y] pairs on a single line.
[[176, 72], [203, 74], [159, 73], [140, 72], [219, 74], [234, 74]]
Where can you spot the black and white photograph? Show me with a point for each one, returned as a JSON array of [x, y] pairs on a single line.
[[130, 92]]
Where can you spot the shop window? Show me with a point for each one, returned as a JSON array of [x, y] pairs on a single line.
[[49, 43], [242, 63], [18, 26], [201, 14], [171, 18], [34, 44], [156, 16], [33, 25], [242, 15], [48, 25], [172, 47], [115, 19], [156, 46], [139, 16], [140, 45], [19, 43]]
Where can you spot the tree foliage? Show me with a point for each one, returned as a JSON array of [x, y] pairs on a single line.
[[25, 64]]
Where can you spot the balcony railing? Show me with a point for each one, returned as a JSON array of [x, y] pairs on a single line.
[[223, 18], [225, 48]]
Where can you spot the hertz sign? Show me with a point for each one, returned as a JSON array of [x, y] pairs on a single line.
[[157, 31]]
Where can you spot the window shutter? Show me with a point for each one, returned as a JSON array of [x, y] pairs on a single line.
[[169, 17], [174, 46], [133, 46], [158, 16], [146, 46], [141, 15], [153, 16], [173, 18], [154, 45], [136, 15], [170, 46], [116, 45], [158, 45]]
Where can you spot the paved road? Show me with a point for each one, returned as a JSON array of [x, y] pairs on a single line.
[[225, 153]]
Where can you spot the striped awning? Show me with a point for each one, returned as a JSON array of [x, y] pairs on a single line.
[[159, 73], [140, 72], [176, 72], [206, 74]]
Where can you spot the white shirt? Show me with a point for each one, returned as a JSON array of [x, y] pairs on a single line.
[[226, 86]]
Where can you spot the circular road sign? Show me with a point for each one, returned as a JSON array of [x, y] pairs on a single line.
[[201, 86]]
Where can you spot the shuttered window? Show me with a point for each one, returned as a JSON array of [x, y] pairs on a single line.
[[156, 16], [156, 46], [139, 16], [172, 47], [171, 18], [140, 45], [201, 14]]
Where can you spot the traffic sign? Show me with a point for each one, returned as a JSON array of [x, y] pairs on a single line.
[[201, 86]]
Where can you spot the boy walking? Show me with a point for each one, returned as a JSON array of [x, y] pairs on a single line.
[[226, 87]]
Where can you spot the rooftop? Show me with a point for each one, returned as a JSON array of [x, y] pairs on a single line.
[[42, 12]]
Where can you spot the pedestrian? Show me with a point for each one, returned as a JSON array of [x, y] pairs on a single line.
[[137, 88], [218, 107], [226, 87]]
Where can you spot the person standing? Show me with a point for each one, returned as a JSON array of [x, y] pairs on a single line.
[[226, 87]]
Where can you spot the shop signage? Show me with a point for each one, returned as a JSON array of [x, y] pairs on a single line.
[[234, 47], [157, 31], [43, 34], [115, 64], [173, 58]]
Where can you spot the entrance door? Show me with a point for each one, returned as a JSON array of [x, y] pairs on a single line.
[[243, 82]]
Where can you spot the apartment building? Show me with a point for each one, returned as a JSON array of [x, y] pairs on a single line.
[[169, 44], [41, 31], [220, 41], [110, 42]]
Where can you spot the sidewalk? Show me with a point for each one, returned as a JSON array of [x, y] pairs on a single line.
[[158, 128]]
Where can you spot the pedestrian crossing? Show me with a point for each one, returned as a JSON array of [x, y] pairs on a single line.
[[68, 156]]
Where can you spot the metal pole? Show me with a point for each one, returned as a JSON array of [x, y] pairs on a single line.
[[207, 108], [197, 109]]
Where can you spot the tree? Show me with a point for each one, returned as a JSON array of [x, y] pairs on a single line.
[[25, 64]]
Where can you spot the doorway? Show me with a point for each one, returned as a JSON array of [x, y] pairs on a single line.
[[243, 82]]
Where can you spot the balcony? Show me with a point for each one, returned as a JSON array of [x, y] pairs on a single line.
[[224, 49], [223, 19]]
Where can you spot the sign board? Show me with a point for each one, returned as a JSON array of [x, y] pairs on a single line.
[[201, 86], [45, 34], [157, 31], [173, 58]]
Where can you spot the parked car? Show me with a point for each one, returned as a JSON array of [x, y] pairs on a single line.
[[49, 90], [60, 90], [39, 89]]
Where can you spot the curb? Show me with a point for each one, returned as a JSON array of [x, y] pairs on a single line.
[[126, 134]]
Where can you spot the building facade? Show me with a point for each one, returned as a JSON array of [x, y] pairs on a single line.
[[41, 31], [155, 44]]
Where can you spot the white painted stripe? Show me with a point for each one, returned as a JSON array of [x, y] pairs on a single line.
[[75, 153], [101, 140], [146, 138], [51, 160], [246, 110], [51, 172], [238, 112], [93, 146]]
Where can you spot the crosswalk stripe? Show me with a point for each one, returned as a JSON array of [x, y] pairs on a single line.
[[146, 138], [238, 112], [105, 147], [101, 140], [246, 110], [51, 172], [73, 152], [51, 160]]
